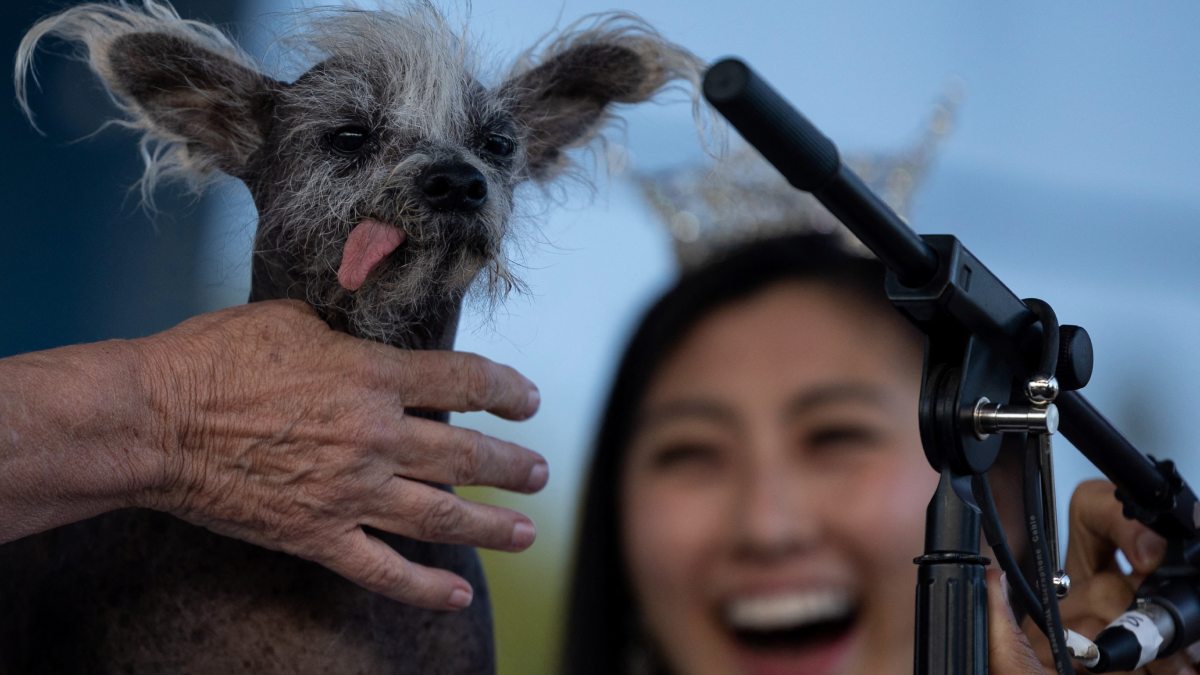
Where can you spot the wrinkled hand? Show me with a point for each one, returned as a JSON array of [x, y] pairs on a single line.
[[1100, 591], [281, 432]]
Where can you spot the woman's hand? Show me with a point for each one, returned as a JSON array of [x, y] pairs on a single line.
[[277, 430], [1100, 591], [1009, 651]]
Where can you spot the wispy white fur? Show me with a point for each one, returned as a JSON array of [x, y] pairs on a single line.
[[415, 82]]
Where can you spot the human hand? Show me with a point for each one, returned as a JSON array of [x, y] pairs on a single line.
[[1100, 591], [1009, 650], [279, 431]]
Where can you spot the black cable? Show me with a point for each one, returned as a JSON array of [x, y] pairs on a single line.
[[1035, 516], [993, 531], [1041, 555], [1048, 364]]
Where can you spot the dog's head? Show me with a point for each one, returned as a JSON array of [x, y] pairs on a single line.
[[384, 175]]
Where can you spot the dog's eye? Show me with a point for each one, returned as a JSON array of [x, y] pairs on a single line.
[[497, 145], [349, 140]]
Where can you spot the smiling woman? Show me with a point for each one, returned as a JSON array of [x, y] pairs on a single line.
[[758, 488], [757, 491], [768, 490], [756, 498]]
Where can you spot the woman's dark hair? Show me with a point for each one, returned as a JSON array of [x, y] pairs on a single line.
[[602, 624]]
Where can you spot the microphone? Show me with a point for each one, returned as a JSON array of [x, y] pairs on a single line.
[[1159, 624], [1134, 639]]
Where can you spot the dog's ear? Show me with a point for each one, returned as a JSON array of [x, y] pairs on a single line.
[[564, 99], [197, 99], [221, 109]]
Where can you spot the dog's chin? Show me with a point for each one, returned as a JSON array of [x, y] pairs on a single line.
[[414, 292], [441, 269], [445, 245]]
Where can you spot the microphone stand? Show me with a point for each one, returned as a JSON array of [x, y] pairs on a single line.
[[984, 344]]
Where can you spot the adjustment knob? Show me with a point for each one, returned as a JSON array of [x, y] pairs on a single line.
[[1074, 358]]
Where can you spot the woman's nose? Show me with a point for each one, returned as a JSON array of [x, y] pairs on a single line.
[[774, 515]]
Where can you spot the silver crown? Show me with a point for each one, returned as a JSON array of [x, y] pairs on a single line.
[[741, 198]]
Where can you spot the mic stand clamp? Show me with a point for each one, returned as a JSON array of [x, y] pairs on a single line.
[[983, 344]]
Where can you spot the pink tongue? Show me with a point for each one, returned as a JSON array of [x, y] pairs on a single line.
[[369, 242]]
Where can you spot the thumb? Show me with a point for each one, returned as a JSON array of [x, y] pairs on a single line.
[[1009, 651]]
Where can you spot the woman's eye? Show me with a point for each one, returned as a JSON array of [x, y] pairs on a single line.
[[684, 454], [498, 146], [349, 140], [847, 436]]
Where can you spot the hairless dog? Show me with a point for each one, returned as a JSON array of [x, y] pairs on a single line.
[[384, 180]]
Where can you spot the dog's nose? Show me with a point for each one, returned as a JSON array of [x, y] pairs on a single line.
[[453, 186]]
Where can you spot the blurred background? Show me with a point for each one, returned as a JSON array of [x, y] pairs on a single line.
[[1072, 172]]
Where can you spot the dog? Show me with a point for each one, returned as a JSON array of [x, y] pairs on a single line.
[[384, 180]]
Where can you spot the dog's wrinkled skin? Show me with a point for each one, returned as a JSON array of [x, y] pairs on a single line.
[[392, 113]]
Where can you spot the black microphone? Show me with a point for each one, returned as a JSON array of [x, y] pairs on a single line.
[[1163, 621]]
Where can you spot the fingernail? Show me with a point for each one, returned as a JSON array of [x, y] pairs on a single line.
[[538, 476], [523, 534], [1150, 547], [535, 400], [460, 598]]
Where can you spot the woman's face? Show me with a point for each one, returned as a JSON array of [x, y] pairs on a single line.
[[775, 489]]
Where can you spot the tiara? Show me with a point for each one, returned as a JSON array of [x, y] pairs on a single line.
[[711, 209]]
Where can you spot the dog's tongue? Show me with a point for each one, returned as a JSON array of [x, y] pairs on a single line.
[[369, 242]]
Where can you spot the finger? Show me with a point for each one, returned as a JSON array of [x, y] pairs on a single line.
[[1040, 646], [377, 567], [1089, 627], [458, 382], [420, 511], [1098, 528], [440, 453], [1104, 597], [1009, 651]]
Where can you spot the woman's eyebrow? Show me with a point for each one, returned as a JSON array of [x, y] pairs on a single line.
[[683, 409], [815, 398]]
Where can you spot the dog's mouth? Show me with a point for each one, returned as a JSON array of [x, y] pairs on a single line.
[[373, 241], [369, 243]]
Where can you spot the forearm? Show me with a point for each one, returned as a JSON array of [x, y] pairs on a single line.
[[262, 423], [76, 437]]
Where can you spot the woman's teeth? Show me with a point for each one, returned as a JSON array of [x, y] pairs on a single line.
[[788, 611]]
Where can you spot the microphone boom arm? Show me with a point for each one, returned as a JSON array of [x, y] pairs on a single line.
[[983, 344]]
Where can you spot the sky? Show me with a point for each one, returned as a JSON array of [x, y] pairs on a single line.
[[1072, 172]]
